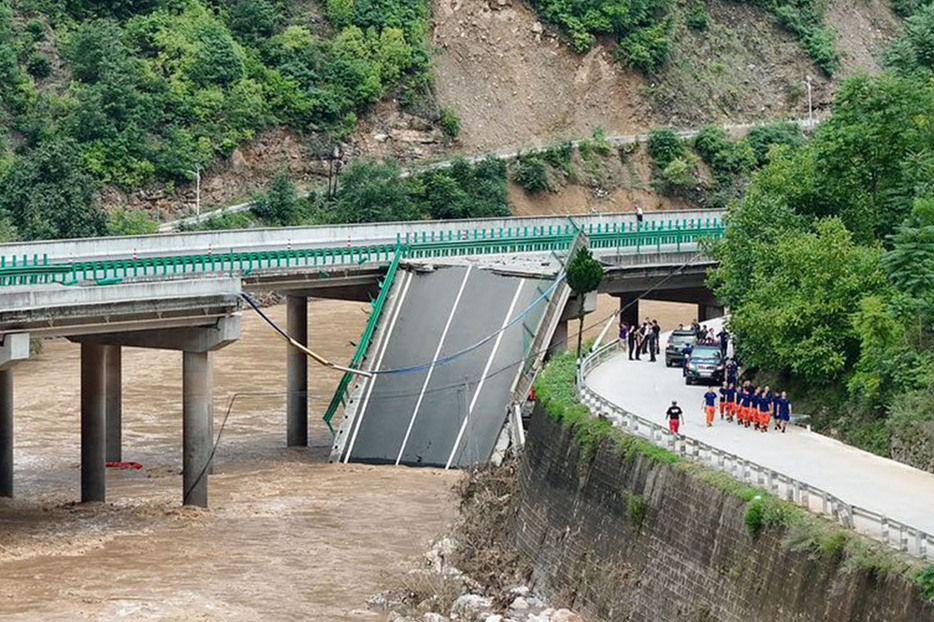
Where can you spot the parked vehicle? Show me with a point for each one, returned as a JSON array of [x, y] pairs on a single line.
[[706, 365], [676, 341]]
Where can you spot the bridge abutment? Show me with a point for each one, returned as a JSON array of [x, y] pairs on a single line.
[[629, 308], [93, 423], [6, 433], [297, 373], [708, 312]]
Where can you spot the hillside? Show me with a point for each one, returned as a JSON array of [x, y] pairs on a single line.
[[120, 105]]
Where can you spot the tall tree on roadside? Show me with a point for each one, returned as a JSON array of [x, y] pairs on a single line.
[[584, 276]]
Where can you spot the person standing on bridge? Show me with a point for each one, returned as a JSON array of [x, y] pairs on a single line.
[[639, 216], [623, 333], [710, 406], [675, 416], [657, 330]]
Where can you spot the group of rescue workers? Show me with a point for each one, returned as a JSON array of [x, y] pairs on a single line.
[[746, 404]]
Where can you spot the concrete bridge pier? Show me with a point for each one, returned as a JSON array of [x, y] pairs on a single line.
[[197, 440], [629, 309], [708, 312], [559, 340], [196, 344], [93, 423], [114, 402], [14, 348], [297, 373]]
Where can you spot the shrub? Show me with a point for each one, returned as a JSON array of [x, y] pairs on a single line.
[[679, 174], [698, 18], [36, 30], [39, 66], [280, 205], [450, 123], [763, 137], [128, 222], [560, 156], [925, 580], [636, 507], [646, 49], [531, 173], [665, 146]]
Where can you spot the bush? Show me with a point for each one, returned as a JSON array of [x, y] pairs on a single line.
[[724, 157], [450, 123], [665, 146], [39, 66], [698, 18], [762, 138], [559, 157], [280, 205], [127, 222], [679, 174], [531, 173], [646, 49]]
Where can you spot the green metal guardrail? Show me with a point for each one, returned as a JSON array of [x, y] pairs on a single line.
[[364, 346], [31, 271], [36, 270]]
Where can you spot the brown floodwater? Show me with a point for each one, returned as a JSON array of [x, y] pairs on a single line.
[[287, 536]]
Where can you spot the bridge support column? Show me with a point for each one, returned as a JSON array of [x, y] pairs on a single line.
[[629, 309], [559, 341], [114, 402], [297, 382], [708, 312], [6, 433], [196, 438], [93, 423]]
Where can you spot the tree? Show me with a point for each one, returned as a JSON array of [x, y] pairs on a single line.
[[584, 276], [373, 192], [48, 195], [280, 206]]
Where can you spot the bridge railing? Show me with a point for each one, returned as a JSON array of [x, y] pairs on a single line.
[[340, 394], [898, 535], [32, 270]]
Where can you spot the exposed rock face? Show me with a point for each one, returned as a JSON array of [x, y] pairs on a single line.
[[686, 554]]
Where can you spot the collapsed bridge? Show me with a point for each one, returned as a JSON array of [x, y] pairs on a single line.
[[463, 312]]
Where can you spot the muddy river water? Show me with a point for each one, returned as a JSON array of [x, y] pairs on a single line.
[[287, 536]]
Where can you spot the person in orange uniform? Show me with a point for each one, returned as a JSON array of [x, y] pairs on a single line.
[[710, 406], [765, 409], [724, 392], [731, 398]]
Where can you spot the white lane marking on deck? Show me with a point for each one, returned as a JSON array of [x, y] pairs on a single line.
[[379, 361], [486, 370], [431, 369]]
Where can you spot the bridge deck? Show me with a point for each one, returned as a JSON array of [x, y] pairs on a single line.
[[855, 476], [453, 413]]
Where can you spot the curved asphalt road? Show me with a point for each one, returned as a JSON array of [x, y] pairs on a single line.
[[858, 477]]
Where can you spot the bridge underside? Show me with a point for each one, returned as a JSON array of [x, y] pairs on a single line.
[[452, 413]]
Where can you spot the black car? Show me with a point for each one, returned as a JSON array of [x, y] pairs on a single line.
[[676, 341], [706, 364]]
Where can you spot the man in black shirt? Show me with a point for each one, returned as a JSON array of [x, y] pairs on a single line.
[[675, 416]]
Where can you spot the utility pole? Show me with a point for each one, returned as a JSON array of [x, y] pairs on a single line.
[[810, 105], [197, 174]]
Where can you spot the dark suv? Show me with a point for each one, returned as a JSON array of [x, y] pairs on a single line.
[[706, 364], [677, 340]]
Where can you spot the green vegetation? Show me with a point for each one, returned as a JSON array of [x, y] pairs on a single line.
[[156, 89], [279, 206], [828, 262], [450, 123], [584, 275], [373, 192], [531, 173], [642, 29]]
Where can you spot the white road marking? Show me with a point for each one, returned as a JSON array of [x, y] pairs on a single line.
[[431, 369], [379, 361], [489, 362]]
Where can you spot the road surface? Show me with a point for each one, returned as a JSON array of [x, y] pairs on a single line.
[[857, 477]]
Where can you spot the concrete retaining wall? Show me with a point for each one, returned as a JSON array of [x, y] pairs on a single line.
[[625, 538]]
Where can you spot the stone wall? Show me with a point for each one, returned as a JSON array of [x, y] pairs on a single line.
[[621, 537]]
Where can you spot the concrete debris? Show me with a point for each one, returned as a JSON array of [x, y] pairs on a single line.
[[470, 608], [434, 617], [537, 28]]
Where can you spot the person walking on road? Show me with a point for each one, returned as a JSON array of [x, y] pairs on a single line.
[[765, 409], [653, 344], [782, 411], [710, 406], [724, 399], [686, 352], [675, 416], [732, 371]]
